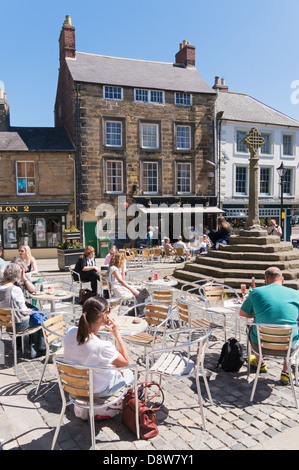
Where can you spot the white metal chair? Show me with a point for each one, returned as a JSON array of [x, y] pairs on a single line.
[[76, 383], [7, 320], [157, 315], [273, 341], [54, 329], [214, 295], [173, 359], [190, 290], [76, 278], [140, 275]]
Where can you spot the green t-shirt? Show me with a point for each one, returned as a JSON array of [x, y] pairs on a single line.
[[273, 304]]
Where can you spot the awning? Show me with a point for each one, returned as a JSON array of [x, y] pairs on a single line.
[[185, 209]]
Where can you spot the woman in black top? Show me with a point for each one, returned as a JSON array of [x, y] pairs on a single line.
[[222, 234], [87, 269]]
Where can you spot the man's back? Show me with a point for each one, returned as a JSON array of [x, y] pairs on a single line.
[[273, 304]]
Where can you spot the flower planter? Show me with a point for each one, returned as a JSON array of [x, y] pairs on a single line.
[[68, 257], [71, 236]]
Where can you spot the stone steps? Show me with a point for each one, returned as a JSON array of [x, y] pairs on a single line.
[[247, 255]]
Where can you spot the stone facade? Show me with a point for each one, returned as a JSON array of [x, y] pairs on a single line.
[[82, 109]]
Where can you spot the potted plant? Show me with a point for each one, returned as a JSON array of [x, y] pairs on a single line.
[[69, 251]]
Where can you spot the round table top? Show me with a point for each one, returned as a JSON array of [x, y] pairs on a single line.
[[161, 283], [128, 325], [58, 294]]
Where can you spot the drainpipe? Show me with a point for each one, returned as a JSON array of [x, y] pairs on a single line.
[[78, 159]]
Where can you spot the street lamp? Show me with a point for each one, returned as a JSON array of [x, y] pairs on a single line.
[[281, 170]]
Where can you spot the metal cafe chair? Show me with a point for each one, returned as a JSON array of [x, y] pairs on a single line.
[[273, 341], [76, 384], [172, 360]]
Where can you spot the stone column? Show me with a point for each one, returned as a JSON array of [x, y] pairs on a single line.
[[253, 141]]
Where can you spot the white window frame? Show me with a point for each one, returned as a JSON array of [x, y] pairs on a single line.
[[147, 96], [110, 176], [147, 125], [241, 152], [187, 178], [291, 182], [270, 172], [292, 135], [263, 134], [109, 122], [114, 92], [187, 137], [26, 178], [183, 99], [149, 178], [237, 193]]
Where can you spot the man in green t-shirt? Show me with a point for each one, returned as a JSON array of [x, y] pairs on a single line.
[[272, 304]]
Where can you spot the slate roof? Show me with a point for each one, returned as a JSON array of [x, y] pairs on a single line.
[[35, 138], [136, 73], [244, 108]]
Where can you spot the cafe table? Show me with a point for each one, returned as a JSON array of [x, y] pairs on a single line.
[[229, 307], [127, 325], [170, 282], [53, 296]]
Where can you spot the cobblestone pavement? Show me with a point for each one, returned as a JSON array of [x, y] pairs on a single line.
[[233, 422]]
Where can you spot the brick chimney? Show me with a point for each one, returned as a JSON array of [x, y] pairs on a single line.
[[67, 46], [4, 112], [186, 55], [220, 86]]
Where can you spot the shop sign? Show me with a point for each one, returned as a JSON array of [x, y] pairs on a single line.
[[33, 208]]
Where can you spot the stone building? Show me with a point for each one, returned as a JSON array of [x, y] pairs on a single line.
[[144, 134], [36, 186]]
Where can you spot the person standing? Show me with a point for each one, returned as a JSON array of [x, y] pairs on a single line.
[[272, 304]]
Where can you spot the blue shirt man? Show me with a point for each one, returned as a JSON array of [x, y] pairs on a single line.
[[273, 304]]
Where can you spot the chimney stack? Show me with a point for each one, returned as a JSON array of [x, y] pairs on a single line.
[[67, 46], [220, 86], [186, 55], [4, 112]]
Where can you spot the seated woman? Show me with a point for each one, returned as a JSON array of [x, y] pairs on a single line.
[[11, 296], [119, 286], [169, 246], [25, 254], [222, 234], [25, 283], [87, 269], [82, 346]]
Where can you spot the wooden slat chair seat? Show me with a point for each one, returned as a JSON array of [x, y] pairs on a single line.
[[274, 341], [180, 253], [77, 382], [157, 316], [191, 314], [7, 320], [168, 254], [172, 359]]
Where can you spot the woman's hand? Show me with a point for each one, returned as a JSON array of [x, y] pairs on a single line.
[[134, 292], [112, 326]]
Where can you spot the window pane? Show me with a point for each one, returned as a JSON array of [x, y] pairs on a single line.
[[114, 176], [30, 169], [183, 137], [113, 134], [150, 177], [184, 177], [156, 96], [149, 136], [266, 147], [241, 180], [265, 181], [21, 169], [112, 93], [288, 145], [287, 184], [141, 95], [183, 99], [241, 147]]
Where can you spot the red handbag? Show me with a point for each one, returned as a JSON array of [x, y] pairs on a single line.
[[147, 419]]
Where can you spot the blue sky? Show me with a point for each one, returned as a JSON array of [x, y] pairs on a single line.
[[253, 45]]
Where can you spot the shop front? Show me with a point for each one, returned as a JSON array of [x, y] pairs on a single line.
[[38, 224]]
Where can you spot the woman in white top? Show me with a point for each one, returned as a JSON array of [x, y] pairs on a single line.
[[82, 346]]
